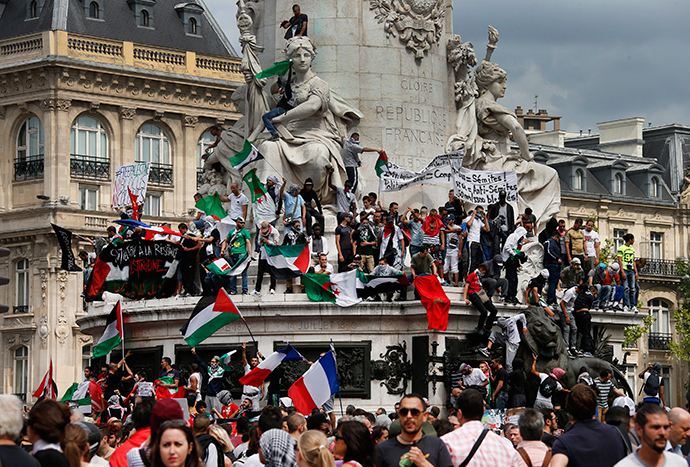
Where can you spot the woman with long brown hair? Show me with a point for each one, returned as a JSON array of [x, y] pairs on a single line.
[[175, 447]]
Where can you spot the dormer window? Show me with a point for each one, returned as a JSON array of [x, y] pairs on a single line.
[[143, 12], [654, 188], [144, 19], [579, 180], [619, 184], [190, 14], [94, 9], [33, 8], [193, 27]]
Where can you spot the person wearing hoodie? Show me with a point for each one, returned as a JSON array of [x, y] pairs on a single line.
[[312, 210], [493, 280], [511, 261]]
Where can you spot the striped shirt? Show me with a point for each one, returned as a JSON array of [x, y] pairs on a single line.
[[536, 451], [604, 389], [494, 450]]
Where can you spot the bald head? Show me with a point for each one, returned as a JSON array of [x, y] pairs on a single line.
[[680, 426]]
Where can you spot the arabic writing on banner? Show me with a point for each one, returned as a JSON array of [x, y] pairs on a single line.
[[439, 171], [135, 177], [482, 187]]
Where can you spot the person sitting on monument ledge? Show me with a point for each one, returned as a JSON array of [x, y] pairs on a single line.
[[316, 211], [422, 264], [324, 267], [297, 25], [287, 101]]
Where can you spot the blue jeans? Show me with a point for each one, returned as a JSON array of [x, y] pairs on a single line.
[[233, 279], [271, 114], [602, 297], [630, 289], [502, 399], [554, 277]]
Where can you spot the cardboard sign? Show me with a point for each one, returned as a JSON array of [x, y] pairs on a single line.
[[136, 178]]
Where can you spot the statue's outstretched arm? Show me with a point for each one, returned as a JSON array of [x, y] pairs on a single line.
[[304, 110], [518, 132]]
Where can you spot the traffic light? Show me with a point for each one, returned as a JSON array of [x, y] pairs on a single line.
[[4, 280]]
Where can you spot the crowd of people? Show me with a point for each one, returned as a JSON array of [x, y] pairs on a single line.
[[156, 433]]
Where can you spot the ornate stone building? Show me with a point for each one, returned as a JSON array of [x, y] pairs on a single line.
[[86, 87]]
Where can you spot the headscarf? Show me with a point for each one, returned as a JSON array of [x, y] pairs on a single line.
[[558, 373], [276, 181], [465, 366], [114, 401], [214, 368], [512, 242], [224, 397], [278, 448]]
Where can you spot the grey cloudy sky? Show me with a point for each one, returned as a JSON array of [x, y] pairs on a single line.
[[588, 61]]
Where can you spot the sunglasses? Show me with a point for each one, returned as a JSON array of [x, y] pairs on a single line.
[[177, 422], [403, 411]]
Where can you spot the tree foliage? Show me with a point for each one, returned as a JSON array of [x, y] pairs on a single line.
[[632, 333], [681, 315]]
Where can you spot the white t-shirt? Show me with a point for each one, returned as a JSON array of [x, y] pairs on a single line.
[[590, 239], [236, 203], [670, 460], [329, 268], [569, 299], [475, 229], [540, 397], [197, 375], [646, 376], [476, 378], [253, 461], [371, 212]]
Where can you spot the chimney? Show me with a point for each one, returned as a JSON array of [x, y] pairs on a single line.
[[622, 136]]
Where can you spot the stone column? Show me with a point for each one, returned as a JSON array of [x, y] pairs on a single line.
[[405, 92]]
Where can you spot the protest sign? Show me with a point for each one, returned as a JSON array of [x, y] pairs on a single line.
[[438, 171], [136, 178], [481, 187]]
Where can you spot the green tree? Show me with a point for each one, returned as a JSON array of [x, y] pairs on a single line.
[[681, 347], [632, 333]]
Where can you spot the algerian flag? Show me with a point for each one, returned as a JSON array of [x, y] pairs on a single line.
[[78, 393], [209, 315], [381, 164], [212, 206], [112, 334], [221, 267], [340, 288], [247, 155], [278, 69]]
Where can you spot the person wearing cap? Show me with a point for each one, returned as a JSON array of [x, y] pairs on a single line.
[[357, 263], [454, 241], [345, 200], [572, 275], [493, 280], [653, 384], [343, 242], [611, 290], [268, 235], [549, 384], [312, 206], [473, 378], [594, 279], [508, 337], [238, 243]]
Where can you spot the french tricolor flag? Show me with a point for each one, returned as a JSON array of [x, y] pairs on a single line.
[[315, 386], [261, 371]]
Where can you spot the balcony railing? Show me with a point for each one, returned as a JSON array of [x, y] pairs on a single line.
[[91, 167], [20, 309], [659, 340], [659, 267], [28, 168], [161, 174]]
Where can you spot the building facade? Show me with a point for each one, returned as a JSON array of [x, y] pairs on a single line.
[[85, 88]]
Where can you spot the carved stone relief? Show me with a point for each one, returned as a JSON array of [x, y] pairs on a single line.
[[395, 369], [43, 330], [127, 113], [191, 120], [44, 286]]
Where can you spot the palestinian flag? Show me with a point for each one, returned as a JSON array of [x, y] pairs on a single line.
[[256, 188], [287, 261], [340, 288], [162, 393], [260, 372], [112, 334], [221, 267], [225, 360], [87, 395], [369, 285], [48, 389], [390, 239], [212, 206], [209, 315], [278, 69], [381, 165], [247, 155]]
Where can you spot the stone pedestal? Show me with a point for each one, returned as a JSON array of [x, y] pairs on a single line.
[[407, 102]]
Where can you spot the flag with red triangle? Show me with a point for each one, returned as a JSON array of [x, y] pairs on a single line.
[[135, 205], [112, 334], [209, 315], [48, 389]]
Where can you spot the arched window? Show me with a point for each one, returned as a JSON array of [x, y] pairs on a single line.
[[193, 26], [21, 304], [654, 188], [33, 9], [30, 139], [205, 141], [21, 371], [660, 310], [151, 145], [93, 10], [144, 18], [619, 184], [88, 138], [579, 180]]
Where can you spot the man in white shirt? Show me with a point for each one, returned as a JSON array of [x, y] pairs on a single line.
[[568, 319], [475, 224], [323, 267], [252, 393], [509, 338], [592, 244], [238, 203]]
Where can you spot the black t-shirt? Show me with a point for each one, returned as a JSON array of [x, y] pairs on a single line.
[[501, 375], [537, 282], [188, 243], [50, 458], [14, 455], [204, 255], [112, 382], [583, 301], [389, 452], [344, 232], [296, 26], [516, 379], [365, 235]]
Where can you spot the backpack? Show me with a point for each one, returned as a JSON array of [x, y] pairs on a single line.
[[548, 387], [652, 385]]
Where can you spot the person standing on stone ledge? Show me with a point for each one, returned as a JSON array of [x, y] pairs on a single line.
[[351, 151], [297, 25]]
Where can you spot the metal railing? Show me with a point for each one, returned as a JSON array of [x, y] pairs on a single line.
[[20, 309], [28, 168], [91, 167], [161, 174], [659, 267], [659, 340]]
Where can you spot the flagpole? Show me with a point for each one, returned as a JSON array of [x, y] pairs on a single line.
[[342, 413], [250, 332]]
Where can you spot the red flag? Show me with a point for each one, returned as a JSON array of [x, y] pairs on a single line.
[[135, 205], [48, 388], [434, 300], [98, 404]]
